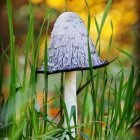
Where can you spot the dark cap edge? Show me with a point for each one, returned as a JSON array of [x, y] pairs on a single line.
[[39, 71]]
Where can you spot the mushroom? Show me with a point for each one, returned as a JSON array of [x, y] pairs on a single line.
[[68, 52]]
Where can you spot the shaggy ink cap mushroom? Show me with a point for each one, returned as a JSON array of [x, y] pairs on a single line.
[[68, 46]]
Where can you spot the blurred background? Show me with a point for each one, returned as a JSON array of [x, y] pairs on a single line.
[[124, 14]]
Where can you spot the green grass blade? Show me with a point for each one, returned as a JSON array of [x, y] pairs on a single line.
[[125, 114], [83, 107], [108, 107], [84, 85], [27, 45], [110, 40], [108, 6], [91, 73], [97, 26], [46, 66], [12, 101], [38, 44]]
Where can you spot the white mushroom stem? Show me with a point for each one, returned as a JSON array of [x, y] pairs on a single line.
[[70, 97]]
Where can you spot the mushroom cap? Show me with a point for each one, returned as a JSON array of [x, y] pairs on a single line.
[[68, 48]]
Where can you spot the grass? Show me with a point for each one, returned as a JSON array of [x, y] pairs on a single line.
[[107, 99]]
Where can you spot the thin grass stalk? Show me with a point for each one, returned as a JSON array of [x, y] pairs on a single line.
[[115, 108], [96, 92], [91, 74], [32, 85], [83, 107], [25, 87], [12, 92], [97, 82], [99, 32], [46, 80], [80, 84], [108, 108], [102, 101], [38, 43], [46, 68], [84, 85], [27, 45], [110, 40], [120, 94], [108, 6]]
